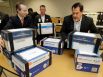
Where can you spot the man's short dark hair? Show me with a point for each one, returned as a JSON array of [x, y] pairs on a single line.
[[78, 4], [18, 5], [42, 6], [30, 9]]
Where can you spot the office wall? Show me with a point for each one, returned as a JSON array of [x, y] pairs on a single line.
[[60, 8], [8, 6], [5, 7], [55, 8]]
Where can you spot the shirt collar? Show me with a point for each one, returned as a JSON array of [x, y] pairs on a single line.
[[20, 17], [42, 15]]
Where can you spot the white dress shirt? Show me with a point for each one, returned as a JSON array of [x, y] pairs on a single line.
[[77, 25], [43, 18], [0, 21]]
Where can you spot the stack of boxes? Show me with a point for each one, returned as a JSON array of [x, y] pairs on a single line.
[[29, 62], [87, 57], [27, 59], [16, 39]]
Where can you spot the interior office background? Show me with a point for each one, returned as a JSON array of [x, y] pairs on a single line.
[[55, 8]]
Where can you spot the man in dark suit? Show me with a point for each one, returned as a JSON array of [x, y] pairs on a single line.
[[77, 22], [42, 18], [4, 20], [21, 20]]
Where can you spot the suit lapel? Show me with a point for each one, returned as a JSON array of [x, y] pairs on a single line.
[[82, 24], [19, 22], [72, 23], [25, 22], [46, 19], [40, 21]]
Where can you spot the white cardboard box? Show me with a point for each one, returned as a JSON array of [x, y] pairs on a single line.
[[45, 28], [89, 62], [16, 39], [87, 42], [54, 44]]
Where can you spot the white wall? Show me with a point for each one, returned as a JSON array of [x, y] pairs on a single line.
[[60, 8], [8, 6], [5, 7], [55, 8]]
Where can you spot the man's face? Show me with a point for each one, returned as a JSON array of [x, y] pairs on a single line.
[[42, 10], [23, 11], [76, 13]]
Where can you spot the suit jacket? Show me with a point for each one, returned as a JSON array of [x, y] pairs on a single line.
[[33, 15], [14, 22], [86, 25], [4, 20], [39, 20]]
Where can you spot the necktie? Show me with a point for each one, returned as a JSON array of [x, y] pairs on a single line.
[[22, 21]]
